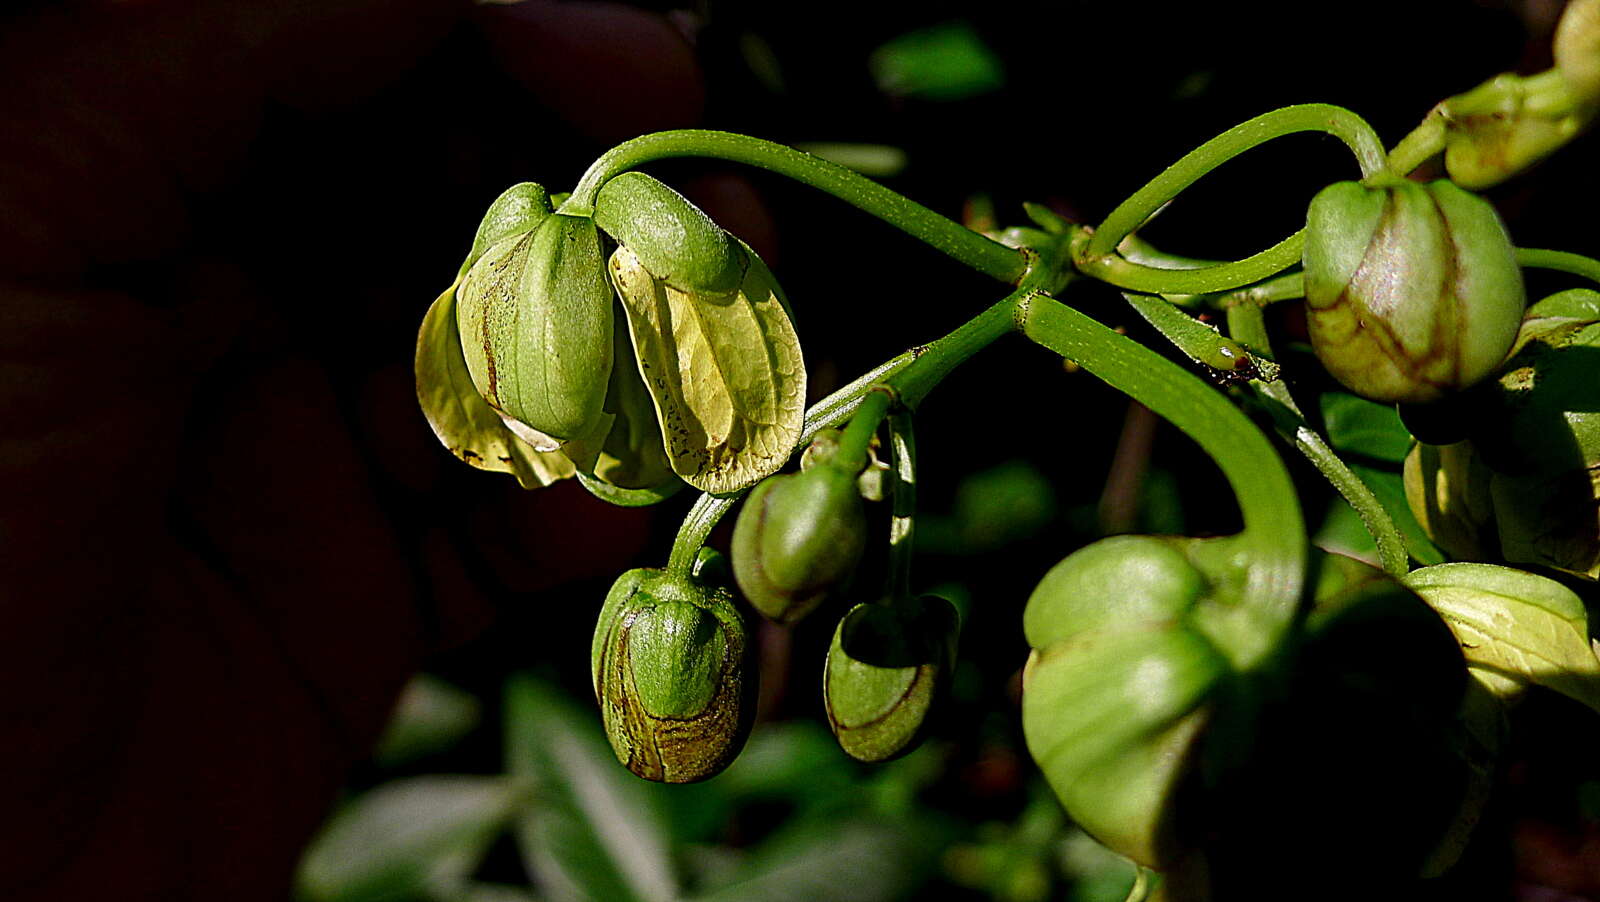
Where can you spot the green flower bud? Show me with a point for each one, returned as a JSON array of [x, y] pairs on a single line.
[[1412, 291], [1509, 123], [798, 539], [676, 242], [886, 668], [535, 317], [668, 661], [1576, 49], [1447, 489], [1117, 688]]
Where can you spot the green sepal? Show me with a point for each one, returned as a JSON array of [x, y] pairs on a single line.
[[887, 667], [1111, 583], [624, 461], [463, 422], [535, 315], [725, 373], [1509, 123], [517, 211], [673, 239], [668, 661]]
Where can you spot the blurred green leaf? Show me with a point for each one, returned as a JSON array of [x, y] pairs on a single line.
[[1358, 426], [993, 508], [593, 833], [861, 859], [879, 161], [945, 62], [430, 716], [393, 842], [797, 762]]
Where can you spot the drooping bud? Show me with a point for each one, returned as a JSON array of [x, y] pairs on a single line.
[[464, 422], [673, 239], [668, 661], [1117, 688], [535, 316], [798, 539], [887, 667], [1412, 291]]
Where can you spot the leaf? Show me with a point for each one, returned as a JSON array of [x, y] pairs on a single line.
[[1515, 624], [725, 373], [860, 859], [945, 62], [1364, 427], [390, 842], [593, 834], [430, 716], [460, 417]]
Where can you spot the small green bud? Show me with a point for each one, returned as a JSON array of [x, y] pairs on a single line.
[[676, 242], [886, 668], [1412, 291], [535, 316], [1508, 124], [1447, 489], [798, 539], [668, 661]]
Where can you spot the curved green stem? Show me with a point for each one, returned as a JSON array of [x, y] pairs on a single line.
[[1560, 261], [856, 441], [963, 244], [1272, 547], [1245, 324], [1098, 257]]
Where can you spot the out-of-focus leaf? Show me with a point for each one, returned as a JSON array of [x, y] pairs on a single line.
[[460, 417], [1515, 624], [1358, 426], [1389, 488], [390, 843], [842, 860], [797, 762], [488, 892], [1342, 532], [945, 62], [1099, 874], [725, 372], [879, 161], [993, 508], [593, 835], [429, 717]]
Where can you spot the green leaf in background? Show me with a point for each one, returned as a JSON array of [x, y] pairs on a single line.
[[1515, 625], [397, 841], [430, 716], [879, 161], [945, 62], [993, 508], [1358, 426], [594, 833], [862, 858]]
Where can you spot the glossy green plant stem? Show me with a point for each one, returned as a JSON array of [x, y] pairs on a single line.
[[1424, 141], [1272, 548], [828, 413], [1246, 325], [963, 244], [902, 521], [856, 441], [1099, 257], [1287, 287], [1560, 261]]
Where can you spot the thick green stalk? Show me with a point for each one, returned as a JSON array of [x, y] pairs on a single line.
[[1272, 548], [1246, 326], [963, 244]]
